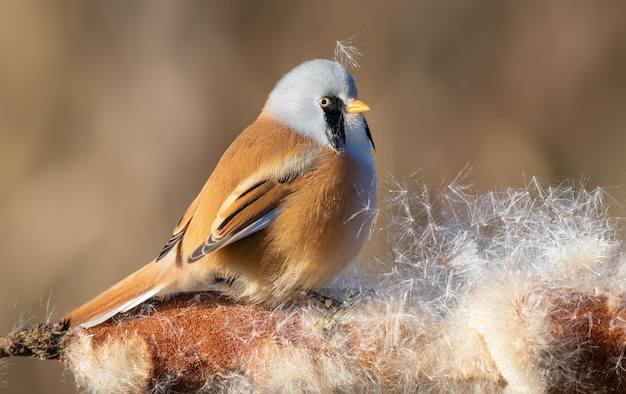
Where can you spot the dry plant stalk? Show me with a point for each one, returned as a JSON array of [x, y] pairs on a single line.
[[519, 290]]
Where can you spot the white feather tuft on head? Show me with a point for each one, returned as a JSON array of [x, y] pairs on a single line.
[[347, 53]]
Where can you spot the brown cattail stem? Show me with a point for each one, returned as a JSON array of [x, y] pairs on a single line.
[[193, 342]]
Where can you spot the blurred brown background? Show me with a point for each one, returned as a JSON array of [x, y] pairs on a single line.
[[113, 114]]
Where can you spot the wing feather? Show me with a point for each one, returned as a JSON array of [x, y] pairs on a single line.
[[243, 213], [252, 206]]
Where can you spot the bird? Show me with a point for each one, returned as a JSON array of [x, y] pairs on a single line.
[[289, 204]]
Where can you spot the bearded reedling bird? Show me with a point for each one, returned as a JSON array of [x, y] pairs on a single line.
[[290, 202]]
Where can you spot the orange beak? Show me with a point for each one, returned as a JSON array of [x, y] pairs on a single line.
[[357, 107]]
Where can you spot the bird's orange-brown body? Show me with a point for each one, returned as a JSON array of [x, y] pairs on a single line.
[[280, 214]]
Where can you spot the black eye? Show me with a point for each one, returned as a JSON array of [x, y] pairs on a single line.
[[324, 102]]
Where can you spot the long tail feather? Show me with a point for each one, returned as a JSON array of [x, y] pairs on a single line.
[[125, 295]]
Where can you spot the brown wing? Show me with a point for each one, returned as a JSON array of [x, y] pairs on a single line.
[[240, 200], [250, 208]]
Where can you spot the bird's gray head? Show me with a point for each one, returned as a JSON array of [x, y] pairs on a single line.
[[319, 99]]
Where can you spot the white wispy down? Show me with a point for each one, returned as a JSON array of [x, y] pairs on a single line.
[[347, 52], [480, 293]]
